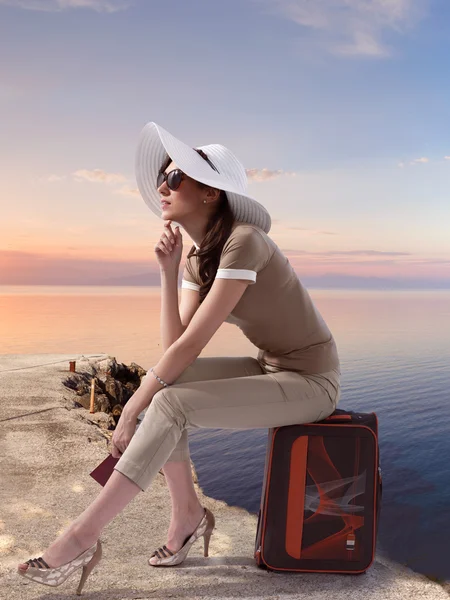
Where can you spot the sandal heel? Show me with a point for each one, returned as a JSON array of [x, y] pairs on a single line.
[[206, 538], [88, 568], [165, 557]]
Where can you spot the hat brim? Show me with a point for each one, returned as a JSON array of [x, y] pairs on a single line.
[[155, 143]]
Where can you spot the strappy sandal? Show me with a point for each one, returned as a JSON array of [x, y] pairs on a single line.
[[167, 558], [40, 572]]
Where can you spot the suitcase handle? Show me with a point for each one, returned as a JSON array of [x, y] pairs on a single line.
[[338, 417]]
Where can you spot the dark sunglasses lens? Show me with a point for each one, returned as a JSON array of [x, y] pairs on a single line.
[[174, 179]]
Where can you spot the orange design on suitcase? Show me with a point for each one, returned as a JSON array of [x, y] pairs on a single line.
[[333, 497], [296, 497]]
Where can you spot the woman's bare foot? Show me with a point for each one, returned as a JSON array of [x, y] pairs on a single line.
[[70, 544], [180, 527]]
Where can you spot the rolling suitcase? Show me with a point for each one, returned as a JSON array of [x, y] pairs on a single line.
[[321, 496]]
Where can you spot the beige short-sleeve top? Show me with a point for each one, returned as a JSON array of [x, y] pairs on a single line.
[[276, 312]]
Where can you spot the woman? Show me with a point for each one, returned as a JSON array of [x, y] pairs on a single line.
[[234, 273]]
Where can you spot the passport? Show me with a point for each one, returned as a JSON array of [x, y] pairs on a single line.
[[103, 471]]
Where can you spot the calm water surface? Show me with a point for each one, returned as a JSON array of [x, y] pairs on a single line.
[[395, 359]]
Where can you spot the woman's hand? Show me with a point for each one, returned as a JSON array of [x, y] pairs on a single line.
[[169, 248], [124, 431]]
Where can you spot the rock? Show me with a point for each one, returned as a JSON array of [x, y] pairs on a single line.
[[125, 373], [137, 372], [72, 381], [116, 412], [117, 384], [101, 402], [115, 390]]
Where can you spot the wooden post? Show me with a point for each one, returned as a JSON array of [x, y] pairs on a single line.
[[92, 395], [72, 366]]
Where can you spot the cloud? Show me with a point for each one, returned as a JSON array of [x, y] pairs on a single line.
[[315, 231], [126, 190], [108, 6], [63, 268], [423, 160], [363, 43], [363, 253], [447, 157], [51, 178], [99, 176], [266, 174], [417, 161], [351, 27], [349, 253]]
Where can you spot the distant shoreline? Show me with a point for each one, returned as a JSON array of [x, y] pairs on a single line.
[[18, 288]]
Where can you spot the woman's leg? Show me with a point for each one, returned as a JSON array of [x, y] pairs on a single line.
[[120, 490], [187, 510], [86, 528]]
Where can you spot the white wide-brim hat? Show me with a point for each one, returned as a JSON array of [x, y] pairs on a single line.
[[155, 143]]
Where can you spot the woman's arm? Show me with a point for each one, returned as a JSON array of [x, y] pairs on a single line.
[[221, 299], [171, 365], [171, 325]]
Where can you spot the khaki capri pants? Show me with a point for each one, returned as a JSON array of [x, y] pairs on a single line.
[[223, 392]]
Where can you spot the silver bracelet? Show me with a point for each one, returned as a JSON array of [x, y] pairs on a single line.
[[158, 378]]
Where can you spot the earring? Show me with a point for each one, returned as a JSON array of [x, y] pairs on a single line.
[[204, 201]]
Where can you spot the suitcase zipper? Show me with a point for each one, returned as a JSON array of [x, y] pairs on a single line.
[[351, 541]]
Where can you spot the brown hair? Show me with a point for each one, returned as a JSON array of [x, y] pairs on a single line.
[[218, 230]]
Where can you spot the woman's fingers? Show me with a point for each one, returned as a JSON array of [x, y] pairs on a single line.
[[118, 449], [115, 452], [169, 233], [169, 240], [173, 235], [164, 244], [162, 247]]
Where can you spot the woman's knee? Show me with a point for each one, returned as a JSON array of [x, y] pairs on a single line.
[[165, 403]]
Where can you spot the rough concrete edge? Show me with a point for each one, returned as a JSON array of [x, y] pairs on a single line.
[[381, 557], [84, 414]]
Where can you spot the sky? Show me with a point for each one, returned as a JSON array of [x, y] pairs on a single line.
[[338, 109]]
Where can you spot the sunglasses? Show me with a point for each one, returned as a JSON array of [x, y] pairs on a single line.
[[175, 177]]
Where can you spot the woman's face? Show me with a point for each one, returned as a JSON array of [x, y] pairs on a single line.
[[183, 201]]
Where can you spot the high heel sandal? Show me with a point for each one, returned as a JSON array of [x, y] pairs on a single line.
[[167, 558], [40, 572]]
